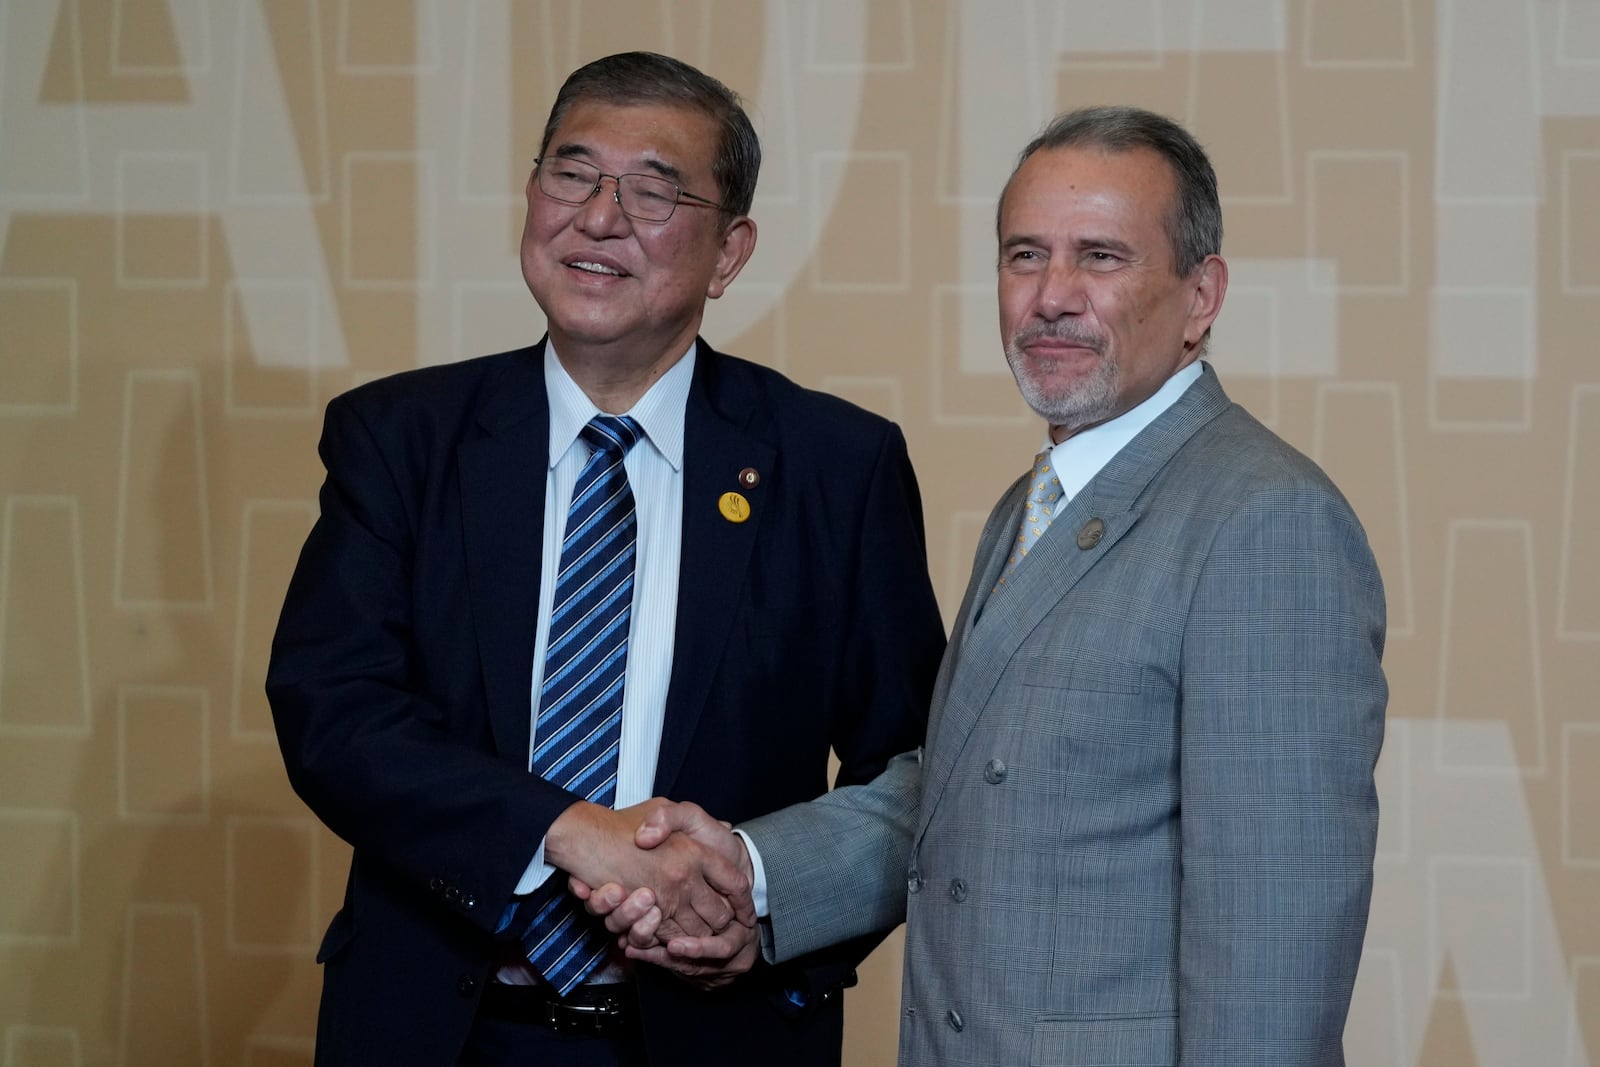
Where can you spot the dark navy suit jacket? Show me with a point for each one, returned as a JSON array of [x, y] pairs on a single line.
[[402, 663]]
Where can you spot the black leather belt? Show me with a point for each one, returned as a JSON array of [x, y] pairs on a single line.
[[598, 1010]]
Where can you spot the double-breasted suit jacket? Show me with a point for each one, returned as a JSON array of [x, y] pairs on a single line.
[[1142, 826], [401, 671]]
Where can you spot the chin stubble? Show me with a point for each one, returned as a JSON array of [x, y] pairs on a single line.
[[1083, 402]]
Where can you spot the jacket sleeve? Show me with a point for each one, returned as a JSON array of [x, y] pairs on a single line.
[[399, 768], [836, 867], [1283, 700]]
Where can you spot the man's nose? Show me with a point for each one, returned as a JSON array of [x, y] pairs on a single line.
[[602, 212], [1061, 290]]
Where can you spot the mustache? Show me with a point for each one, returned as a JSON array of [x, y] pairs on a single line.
[[1059, 331]]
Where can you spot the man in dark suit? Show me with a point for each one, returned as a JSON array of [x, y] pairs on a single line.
[[1142, 827], [761, 581]]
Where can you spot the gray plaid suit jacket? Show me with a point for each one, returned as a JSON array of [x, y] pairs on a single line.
[[1142, 826]]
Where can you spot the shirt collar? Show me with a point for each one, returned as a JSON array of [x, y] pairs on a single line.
[[1080, 457], [659, 412]]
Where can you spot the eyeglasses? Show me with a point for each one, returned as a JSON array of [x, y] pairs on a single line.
[[641, 196]]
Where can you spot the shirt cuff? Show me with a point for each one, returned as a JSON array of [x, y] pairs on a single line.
[[758, 875], [537, 874]]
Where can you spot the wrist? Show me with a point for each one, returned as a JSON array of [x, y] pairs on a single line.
[[572, 835]]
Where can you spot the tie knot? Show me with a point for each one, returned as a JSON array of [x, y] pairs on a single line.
[[611, 433]]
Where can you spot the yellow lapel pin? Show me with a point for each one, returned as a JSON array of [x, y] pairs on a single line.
[[734, 507]]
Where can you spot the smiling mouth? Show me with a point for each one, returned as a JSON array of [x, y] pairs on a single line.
[[1056, 349], [595, 268], [1047, 341]]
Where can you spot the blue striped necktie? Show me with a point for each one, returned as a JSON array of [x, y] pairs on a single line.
[[579, 729]]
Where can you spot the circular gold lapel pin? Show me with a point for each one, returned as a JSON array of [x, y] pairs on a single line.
[[734, 507]]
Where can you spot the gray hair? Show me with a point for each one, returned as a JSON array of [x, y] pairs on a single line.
[[650, 78], [1194, 226]]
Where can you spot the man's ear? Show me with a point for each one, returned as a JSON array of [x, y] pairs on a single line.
[[1209, 284], [738, 242]]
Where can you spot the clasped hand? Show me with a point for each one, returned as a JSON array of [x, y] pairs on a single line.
[[678, 894]]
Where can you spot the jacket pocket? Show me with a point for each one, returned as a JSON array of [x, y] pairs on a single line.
[[1105, 1041]]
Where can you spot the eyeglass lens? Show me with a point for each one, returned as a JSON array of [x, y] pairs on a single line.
[[643, 196]]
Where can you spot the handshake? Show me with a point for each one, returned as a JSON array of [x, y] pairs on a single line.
[[669, 880]]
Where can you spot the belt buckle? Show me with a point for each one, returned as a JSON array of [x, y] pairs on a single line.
[[599, 1019]]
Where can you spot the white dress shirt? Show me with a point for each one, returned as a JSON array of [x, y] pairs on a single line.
[[655, 474], [1081, 456]]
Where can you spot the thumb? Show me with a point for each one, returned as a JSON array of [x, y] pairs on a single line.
[[662, 820], [656, 828]]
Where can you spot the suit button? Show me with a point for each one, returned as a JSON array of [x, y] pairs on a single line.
[[436, 884], [995, 772], [466, 985], [914, 881], [452, 894], [958, 890], [953, 1017], [469, 901]]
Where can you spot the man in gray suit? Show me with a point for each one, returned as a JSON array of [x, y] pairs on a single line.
[[1142, 827]]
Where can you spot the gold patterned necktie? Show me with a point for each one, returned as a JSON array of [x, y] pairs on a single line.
[[1044, 496]]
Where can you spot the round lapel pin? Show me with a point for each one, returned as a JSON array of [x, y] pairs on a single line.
[[734, 507]]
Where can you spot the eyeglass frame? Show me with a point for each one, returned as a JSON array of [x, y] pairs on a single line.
[[616, 190]]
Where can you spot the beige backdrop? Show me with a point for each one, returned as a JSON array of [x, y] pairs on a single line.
[[216, 214]]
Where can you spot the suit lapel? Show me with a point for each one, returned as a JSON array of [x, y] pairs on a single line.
[[1111, 503], [716, 552], [503, 475]]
